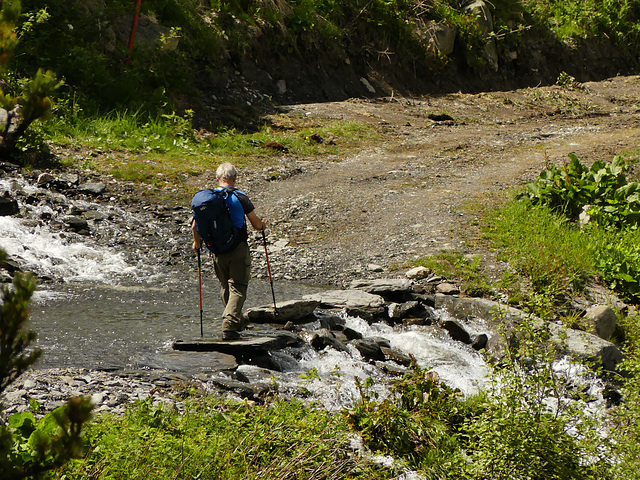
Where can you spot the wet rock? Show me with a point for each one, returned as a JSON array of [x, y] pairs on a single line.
[[76, 224], [66, 181], [11, 266], [493, 313], [8, 206], [323, 338], [456, 331], [289, 311], [355, 302], [243, 390], [586, 346], [478, 342], [351, 334], [45, 178], [245, 347], [602, 320], [398, 311], [368, 348], [395, 355], [417, 321], [425, 299], [329, 320]]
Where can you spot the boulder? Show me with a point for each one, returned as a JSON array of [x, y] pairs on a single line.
[[398, 311], [324, 338], [329, 320], [76, 224], [447, 289], [8, 207], [355, 302], [395, 355], [386, 287], [582, 345], [45, 178], [478, 342], [418, 273], [602, 320], [288, 311], [456, 331], [492, 312], [585, 346], [92, 188], [369, 349]]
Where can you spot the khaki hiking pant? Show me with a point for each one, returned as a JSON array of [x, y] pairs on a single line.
[[233, 270]]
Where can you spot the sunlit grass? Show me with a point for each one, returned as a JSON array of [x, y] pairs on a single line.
[[132, 148]]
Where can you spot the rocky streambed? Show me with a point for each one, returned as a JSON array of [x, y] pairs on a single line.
[[76, 227], [316, 346]]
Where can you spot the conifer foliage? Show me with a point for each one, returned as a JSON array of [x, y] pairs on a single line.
[[22, 101], [29, 446]]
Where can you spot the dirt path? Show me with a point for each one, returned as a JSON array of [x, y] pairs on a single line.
[[405, 195]]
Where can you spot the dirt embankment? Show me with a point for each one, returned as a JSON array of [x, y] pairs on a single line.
[[405, 194]]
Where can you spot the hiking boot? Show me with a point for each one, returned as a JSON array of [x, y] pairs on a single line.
[[231, 335]]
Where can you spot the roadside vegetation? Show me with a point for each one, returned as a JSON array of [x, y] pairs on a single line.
[[506, 432], [182, 70]]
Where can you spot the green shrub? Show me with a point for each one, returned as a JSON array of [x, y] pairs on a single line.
[[602, 191], [523, 430], [211, 438], [29, 447]]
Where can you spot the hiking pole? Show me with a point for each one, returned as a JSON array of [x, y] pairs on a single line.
[[266, 254], [200, 288]]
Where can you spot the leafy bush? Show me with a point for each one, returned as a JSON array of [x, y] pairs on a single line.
[[603, 195], [602, 191], [617, 258], [419, 423]]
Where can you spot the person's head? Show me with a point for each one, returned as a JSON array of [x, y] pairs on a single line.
[[226, 173]]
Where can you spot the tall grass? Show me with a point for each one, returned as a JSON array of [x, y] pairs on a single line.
[[212, 439], [133, 146]]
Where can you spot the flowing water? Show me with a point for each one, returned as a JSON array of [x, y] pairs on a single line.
[[110, 309]]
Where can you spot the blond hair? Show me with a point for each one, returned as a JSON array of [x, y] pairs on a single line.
[[226, 172]]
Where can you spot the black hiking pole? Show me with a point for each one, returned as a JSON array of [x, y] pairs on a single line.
[[200, 289], [266, 254]]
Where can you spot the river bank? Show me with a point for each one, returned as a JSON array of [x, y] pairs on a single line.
[[404, 195]]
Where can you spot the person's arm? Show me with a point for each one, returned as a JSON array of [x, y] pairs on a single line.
[[256, 222], [196, 237]]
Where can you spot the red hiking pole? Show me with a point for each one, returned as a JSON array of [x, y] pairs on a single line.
[[266, 254], [200, 289]]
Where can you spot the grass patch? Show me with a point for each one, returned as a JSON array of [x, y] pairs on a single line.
[[165, 148], [212, 438], [550, 251], [456, 266]]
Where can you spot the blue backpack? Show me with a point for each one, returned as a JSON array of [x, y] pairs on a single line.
[[213, 220]]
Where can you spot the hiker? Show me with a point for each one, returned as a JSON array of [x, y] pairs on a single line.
[[232, 258]]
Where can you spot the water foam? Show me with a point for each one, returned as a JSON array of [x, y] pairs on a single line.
[[44, 252]]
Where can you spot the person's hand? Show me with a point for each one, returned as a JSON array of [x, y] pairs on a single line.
[[196, 245]]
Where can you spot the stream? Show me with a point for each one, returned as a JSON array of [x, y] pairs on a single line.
[[108, 305]]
